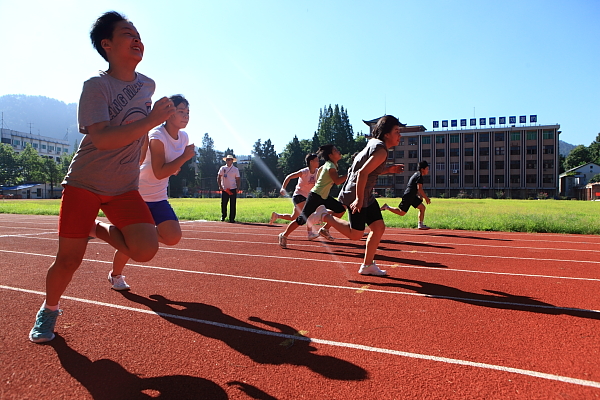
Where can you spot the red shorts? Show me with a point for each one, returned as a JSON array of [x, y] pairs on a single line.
[[79, 209]]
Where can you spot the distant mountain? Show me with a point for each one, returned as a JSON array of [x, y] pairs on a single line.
[[48, 117], [565, 148]]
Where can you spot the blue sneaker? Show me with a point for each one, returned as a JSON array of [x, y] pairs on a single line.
[[43, 330]]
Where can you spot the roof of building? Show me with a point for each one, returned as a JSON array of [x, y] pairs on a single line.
[[20, 187]]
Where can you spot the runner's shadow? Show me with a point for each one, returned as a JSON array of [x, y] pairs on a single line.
[[257, 343], [387, 241], [108, 380], [469, 237], [380, 257], [252, 391], [497, 299]]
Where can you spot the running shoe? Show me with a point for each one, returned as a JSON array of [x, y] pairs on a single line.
[[325, 233], [372, 269], [282, 241], [43, 330], [118, 282], [274, 217], [423, 227], [313, 235], [317, 216]]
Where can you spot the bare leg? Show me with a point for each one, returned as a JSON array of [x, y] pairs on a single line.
[[343, 227], [68, 259], [138, 241], [421, 209], [377, 230]]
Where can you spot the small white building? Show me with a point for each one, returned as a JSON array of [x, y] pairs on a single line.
[[571, 182]]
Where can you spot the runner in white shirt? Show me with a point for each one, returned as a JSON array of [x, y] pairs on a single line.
[[164, 155], [307, 177]]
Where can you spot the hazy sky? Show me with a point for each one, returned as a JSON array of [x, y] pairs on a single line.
[[263, 69]]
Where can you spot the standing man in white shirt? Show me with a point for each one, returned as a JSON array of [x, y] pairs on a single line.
[[228, 180]]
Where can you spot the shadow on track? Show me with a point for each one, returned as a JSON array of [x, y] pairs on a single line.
[[255, 342], [497, 299], [469, 237], [251, 391], [108, 380]]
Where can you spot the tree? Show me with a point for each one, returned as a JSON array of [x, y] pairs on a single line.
[[9, 165], [595, 150], [262, 170], [52, 173], [580, 155], [32, 165], [594, 179], [292, 157], [334, 127], [208, 164]]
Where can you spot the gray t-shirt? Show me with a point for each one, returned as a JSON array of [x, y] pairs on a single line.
[[104, 98], [348, 192]]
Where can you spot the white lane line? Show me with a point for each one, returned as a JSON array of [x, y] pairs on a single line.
[[519, 371], [407, 252], [353, 288]]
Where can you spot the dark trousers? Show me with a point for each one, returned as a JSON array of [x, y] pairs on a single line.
[[226, 198]]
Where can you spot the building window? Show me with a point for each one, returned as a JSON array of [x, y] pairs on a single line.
[[484, 165], [454, 152], [5, 140], [484, 137], [484, 151], [412, 141], [531, 178], [549, 149], [499, 164], [58, 149], [469, 151], [440, 166], [43, 147], [531, 149], [16, 142], [514, 136], [531, 164], [499, 151], [412, 166], [548, 134], [499, 136], [454, 139], [468, 178], [427, 179], [391, 155], [454, 166], [399, 153], [515, 150], [515, 164], [440, 179], [515, 178], [413, 154], [35, 145], [440, 139], [58, 159], [399, 179], [484, 179], [401, 141], [469, 165], [454, 179], [548, 164], [548, 178], [468, 138], [426, 139], [499, 179], [50, 148], [440, 153], [531, 135], [426, 153]]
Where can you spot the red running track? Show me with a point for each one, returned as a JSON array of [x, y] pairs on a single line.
[[227, 314]]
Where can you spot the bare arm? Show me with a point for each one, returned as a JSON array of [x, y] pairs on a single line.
[[422, 194], [219, 181], [376, 159], [287, 180], [337, 179], [106, 137], [160, 167]]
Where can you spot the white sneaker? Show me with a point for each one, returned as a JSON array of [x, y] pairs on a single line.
[[317, 216], [325, 233], [274, 217], [372, 269], [118, 282], [423, 227], [282, 241], [312, 235]]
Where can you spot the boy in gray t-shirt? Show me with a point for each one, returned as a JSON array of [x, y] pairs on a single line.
[[115, 116]]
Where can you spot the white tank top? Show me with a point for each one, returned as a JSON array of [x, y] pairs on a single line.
[[306, 181]]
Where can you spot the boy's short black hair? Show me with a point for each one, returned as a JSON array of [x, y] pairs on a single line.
[[309, 157], [423, 164], [104, 28], [325, 151], [177, 99]]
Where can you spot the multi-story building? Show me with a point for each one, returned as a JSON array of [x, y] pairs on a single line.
[[519, 161], [46, 147]]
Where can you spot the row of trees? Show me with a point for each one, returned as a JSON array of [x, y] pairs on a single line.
[[583, 154], [29, 166]]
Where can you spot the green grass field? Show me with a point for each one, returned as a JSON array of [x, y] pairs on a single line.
[[481, 215]]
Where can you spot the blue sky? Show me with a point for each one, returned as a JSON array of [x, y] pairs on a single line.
[[263, 69]]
